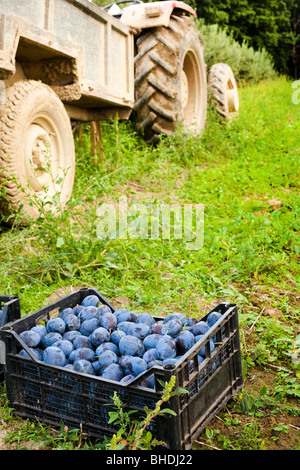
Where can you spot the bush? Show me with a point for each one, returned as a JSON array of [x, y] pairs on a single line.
[[248, 66]]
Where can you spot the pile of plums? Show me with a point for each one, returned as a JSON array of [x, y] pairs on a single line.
[[120, 345]]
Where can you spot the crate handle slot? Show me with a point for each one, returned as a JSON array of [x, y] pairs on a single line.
[[2, 353]]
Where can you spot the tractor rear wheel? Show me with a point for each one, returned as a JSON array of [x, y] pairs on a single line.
[[37, 155], [170, 80]]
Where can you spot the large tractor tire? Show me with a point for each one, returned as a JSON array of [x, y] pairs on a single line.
[[170, 80], [223, 90], [37, 155]]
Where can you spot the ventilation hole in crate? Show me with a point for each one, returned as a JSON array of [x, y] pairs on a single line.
[[27, 369], [139, 401], [97, 414], [226, 351], [32, 394]]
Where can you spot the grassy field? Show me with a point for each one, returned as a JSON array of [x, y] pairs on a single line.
[[246, 174]]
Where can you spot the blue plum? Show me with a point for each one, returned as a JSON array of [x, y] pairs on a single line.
[[127, 379], [30, 338], [105, 346], [72, 322], [125, 326], [116, 335], [82, 353], [150, 355], [156, 328], [192, 321], [199, 328], [96, 367], [82, 365], [90, 300], [88, 312], [88, 326], [56, 325], [134, 316], [82, 341], [104, 309], [65, 312], [136, 365], [66, 346], [165, 349], [39, 353], [183, 320], [166, 338], [140, 330], [150, 341], [71, 335], [131, 346], [40, 329], [212, 318], [200, 358], [76, 310], [108, 321], [54, 356], [176, 316], [106, 358], [172, 328], [113, 372], [122, 314], [145, 318], [3, 319], [185, 340], [171, 316], [123, 362], [99, 335], [49, 339], [148, 382]]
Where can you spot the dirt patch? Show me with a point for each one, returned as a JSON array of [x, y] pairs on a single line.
[[61, 292], [119, 302], [273, 430], [29, 444], [3, 433]]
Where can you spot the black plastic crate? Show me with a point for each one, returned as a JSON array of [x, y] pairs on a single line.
[[9, 311], [53, 394]]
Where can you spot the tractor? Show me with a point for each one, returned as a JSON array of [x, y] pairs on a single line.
[[65, 61]]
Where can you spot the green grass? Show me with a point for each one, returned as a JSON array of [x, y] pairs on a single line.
[[246, 173]]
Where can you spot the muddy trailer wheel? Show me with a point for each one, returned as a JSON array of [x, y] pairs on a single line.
[[223, 90], [170, 80], [37, 156]]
